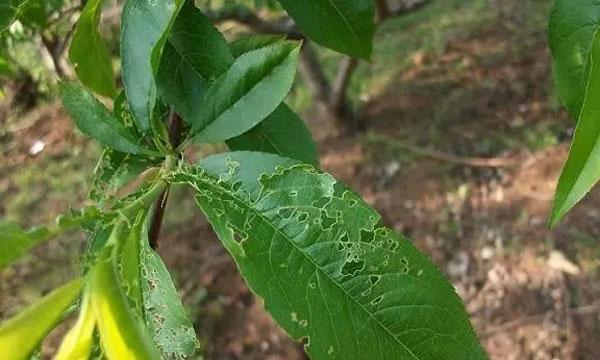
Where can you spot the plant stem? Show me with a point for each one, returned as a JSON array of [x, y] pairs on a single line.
[[144, 201], [175, 129]]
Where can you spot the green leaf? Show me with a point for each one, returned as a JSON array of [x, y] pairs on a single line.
[[341, 25], [325, 267], [282, 133], [89, 54], [130, 260], [199, 43], [94, 120], [179, 84], [144, 27], [195, 54], [122, 333], [21, 335], [8, 11], [582, 169], [572, 26], [245, 44], [15, 242], [247, 93], [115, 170], [165, 316]]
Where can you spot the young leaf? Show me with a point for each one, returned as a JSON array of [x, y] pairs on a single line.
[[341, 25], [115, 170], [78, 343], [572, 26], [130, 260], [94, 120], [14, 242], [21, 335], [247, 93], [325, 267], [582, 169], [144, 27], [122, 333], [89, 54], [164, 314], [282, 133]]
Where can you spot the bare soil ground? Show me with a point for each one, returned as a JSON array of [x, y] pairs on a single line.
[[532, 293]]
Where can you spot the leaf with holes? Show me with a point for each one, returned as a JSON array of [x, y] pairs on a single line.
[[326, 268], [341, 25], [164, 314], [122, 332], [89, 53], [247, 93]]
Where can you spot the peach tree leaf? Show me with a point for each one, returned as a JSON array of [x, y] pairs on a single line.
[[327, 269]]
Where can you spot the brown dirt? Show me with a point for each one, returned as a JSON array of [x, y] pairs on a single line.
[[532, 292]]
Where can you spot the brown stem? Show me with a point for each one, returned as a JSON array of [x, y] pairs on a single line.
[[157, 219], [175, 132], [383, 11], [55, 50], [248, 17], [337, 99]]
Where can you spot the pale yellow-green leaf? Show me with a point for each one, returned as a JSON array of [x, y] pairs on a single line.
[[77, 344], [122, 334], [21, 335]]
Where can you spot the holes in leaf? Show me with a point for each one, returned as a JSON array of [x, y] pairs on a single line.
[[293, 193], [352, 202], [236, 185], [239, 237], [302, 217], [219, 212], [345, 238], [232, 166], [377, 300], [353, 267], [383, 232], [285, 213], [326, 222], [320, 203], [374, 279], [366, 236]]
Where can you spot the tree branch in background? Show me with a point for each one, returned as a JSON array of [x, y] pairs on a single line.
[[382, 9], [331, 97], [246, 16]]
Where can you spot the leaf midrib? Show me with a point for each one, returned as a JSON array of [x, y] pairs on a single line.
[[277, 230]]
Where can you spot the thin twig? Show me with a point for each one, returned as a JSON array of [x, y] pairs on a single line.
[[442, 156], [517, 323]]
